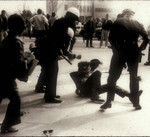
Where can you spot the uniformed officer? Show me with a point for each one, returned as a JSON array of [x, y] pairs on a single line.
[[123, 37], [57, 40]]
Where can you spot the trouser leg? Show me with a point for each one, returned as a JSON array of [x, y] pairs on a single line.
[[51, 80], [75, 78], [91, 41], [116, 67], [134, 83], [118, 90], [87, 41], [12, 116], [41, 80]]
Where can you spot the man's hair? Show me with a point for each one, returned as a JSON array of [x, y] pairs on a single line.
[[3, 12], [119, 16], [53, 14], [16, 24], [39, 11], [94, 63]]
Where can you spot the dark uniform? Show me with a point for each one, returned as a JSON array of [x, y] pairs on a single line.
[[123, 37], [54, 45]]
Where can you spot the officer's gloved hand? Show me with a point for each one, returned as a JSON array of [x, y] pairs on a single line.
[[71, 56]]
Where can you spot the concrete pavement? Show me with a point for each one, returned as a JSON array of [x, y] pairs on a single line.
[[77, 116]]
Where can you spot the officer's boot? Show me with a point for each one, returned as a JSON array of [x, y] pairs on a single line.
[[134, 98], [107, 104]]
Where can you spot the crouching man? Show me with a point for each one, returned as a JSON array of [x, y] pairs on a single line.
[[88, 81]]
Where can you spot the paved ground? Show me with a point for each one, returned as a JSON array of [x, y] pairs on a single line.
[[79, 116]]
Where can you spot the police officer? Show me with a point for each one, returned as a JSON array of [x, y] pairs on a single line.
[[57, 40], [123, 37]]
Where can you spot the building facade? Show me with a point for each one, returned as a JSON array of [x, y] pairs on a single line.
[[94, 8]]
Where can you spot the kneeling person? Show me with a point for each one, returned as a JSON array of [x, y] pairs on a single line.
[[88, 81]]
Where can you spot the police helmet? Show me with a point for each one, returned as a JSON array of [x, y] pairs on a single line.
[[128, 12], [70, 32], [72, 11]]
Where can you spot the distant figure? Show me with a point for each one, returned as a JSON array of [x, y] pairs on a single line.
[[89, 30], [52, 19], [29, 28], [3, 25], [106, 25], [40, 23]]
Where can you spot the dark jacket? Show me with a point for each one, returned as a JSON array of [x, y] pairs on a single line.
[[4, 23], [55, 41], [89, 28], [106, 25], [124, 35], [12, 59]]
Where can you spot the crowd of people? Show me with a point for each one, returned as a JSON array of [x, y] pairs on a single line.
[[55, 38]]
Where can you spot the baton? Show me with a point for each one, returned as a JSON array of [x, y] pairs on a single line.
[[66, 59]]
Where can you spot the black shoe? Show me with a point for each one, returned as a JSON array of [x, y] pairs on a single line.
[[8, 129], [132, 100], [140, 92], [147, 63], [57, 96], [137, 107], [77, 91], [106, 105], [98, 99], [52, 101], [91, 46]]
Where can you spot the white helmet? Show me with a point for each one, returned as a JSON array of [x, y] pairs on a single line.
[[74, 11], [70, 32]]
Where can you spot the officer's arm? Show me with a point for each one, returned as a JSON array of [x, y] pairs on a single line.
[[113, 35], [144, 36]]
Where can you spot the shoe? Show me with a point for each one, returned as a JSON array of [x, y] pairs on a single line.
[[110, 47], [106, 105], [52, 101], [147, 63], [132, 100], [97, 99], [57, 96], [8, 129], [77, 91], [91, 47], [137, 107], [140, 92]]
